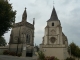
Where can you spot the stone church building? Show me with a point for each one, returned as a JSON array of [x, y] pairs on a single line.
[[54, 42], [22, 37]]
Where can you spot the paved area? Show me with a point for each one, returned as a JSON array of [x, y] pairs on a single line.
[[4, 57]]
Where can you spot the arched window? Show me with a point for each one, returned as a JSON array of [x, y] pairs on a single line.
[[52, 24], [28, 38]]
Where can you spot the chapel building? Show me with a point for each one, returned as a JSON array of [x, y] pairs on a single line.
[[22, 37]]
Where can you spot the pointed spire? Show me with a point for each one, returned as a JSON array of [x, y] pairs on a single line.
[[53, 15], [24, 16], [33, 21]]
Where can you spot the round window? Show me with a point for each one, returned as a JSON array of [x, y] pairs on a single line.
[[52, 39]]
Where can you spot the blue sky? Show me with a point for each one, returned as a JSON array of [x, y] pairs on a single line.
[[68, 12]]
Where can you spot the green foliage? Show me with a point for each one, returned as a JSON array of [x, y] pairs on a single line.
[[7, 16], [41, 55], [70, 58], [37, 48], [74, 50], [2, 41]]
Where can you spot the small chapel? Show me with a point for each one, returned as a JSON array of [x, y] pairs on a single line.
[[55, 42], [22, 37]]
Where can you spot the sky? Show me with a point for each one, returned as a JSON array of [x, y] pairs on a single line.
[[68, 12]]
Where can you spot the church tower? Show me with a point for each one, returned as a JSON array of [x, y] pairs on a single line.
[[53, 30], [54, 41]]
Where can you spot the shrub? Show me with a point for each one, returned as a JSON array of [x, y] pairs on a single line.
[[5, 52], [19, 54], [70, 58], [56, 58], [51, 58], [41, 55], [12, 53]]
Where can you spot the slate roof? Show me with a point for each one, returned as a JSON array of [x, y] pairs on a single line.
[[53, 15]]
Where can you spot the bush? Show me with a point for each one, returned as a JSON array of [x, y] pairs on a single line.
[[70, 58], [56, 58], [19, 54], [41, 55], [12, 53], [5, 52], [51, 58]]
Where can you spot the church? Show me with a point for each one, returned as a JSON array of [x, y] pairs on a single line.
[[54, 42], [22, 37]]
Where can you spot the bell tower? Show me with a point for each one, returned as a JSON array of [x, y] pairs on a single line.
[[53, 30]]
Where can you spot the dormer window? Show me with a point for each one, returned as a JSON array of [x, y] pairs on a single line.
[[52, 24]]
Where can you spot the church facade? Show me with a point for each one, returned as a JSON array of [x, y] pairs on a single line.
[[22, 37], [54, 42]]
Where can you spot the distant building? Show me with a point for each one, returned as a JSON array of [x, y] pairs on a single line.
[[54, 42], [22, 37]]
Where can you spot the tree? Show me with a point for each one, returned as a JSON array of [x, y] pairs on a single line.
[[41, 55], [74, 50], [37, 48], [2, 41], [77, 52], [7, 16]]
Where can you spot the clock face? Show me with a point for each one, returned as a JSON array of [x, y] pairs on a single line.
[[52, 39]]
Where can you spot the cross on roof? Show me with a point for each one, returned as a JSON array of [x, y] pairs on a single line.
[[53, 3], [25, 8]]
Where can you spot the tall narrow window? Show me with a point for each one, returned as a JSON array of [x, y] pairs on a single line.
[[28, 38], [52, 24]]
